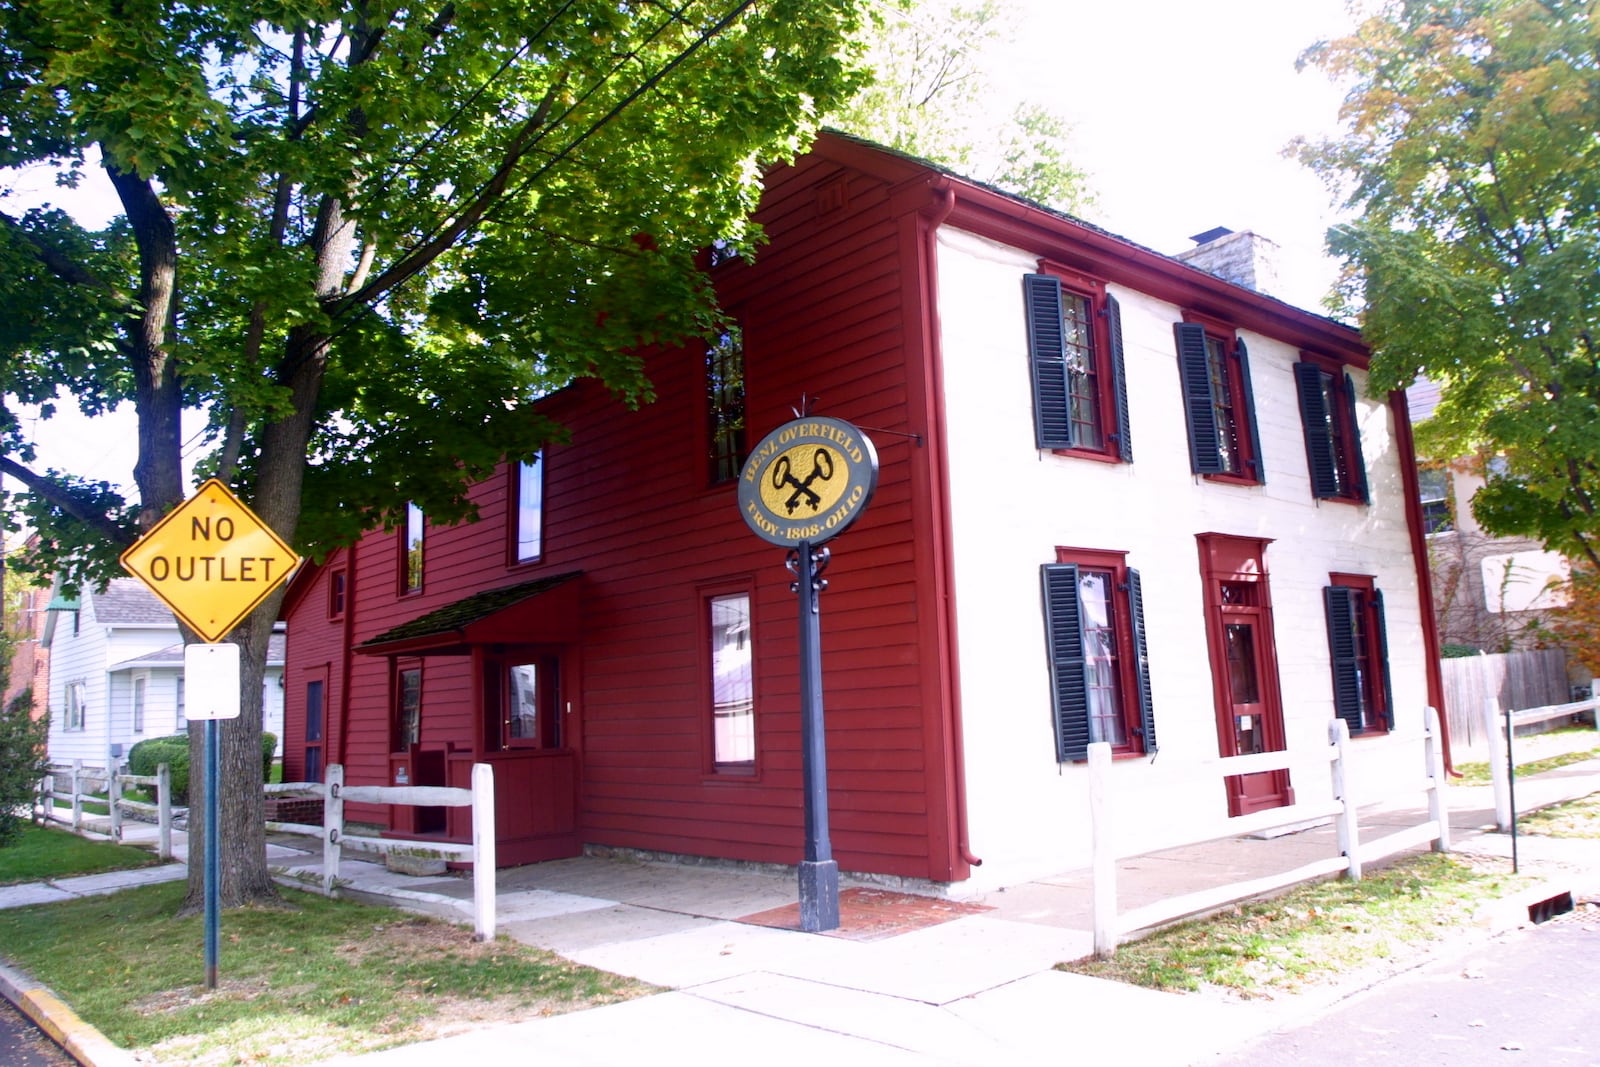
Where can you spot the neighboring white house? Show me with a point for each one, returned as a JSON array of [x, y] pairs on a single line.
[[116, 673]]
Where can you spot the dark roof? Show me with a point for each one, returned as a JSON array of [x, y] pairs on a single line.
[[447, 627], [128, 602], [173, 655]]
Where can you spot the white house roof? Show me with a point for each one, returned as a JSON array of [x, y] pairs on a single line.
[[172, 656], [129, 602]]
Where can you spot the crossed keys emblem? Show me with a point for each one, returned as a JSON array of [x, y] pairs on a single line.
[[783, 474]]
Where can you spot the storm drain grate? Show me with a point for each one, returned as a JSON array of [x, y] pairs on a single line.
[[1548, 908]]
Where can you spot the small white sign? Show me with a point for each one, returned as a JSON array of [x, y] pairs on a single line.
[[211, 681]]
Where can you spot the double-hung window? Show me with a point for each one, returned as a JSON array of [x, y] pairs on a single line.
[[1433, 493], [1099, 666], [1080, 390], [1333, 437], [77, 706], [1220, 407], [1358, 645]]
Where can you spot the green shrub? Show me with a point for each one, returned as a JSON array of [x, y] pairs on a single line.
[[146, 756], [1456, 651], [22, 763]]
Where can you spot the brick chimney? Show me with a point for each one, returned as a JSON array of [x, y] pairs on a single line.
[[1246, 258]]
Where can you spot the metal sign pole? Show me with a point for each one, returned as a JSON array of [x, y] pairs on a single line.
[[213, 863], [819, 874]]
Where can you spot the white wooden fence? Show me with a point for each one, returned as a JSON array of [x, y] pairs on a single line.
[[1110, 927], [481, 852], [1493, 724], [95, 784]]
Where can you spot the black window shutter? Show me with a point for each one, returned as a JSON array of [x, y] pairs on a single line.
[[1381, 627], [1069, 690], [1358, 462], [1319, 440], [1258, 467], [1119, 378], [1340, 603], [1047, 355], [1141, 661], [1204, 455]]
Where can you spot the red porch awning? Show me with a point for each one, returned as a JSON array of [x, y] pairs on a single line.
[[544, 611]]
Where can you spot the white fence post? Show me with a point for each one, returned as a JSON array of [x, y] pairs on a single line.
[[332, 825], [1345, 822], [1103, 853], [114, 801], [1499, 774], [1433, 749], [164, 810], [483, 852], [77, 795]]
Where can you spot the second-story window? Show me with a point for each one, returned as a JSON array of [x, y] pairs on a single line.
[[529, 490], [411, 550], [725, 406], [1080, 394], [1214, 370], [1333, 435]]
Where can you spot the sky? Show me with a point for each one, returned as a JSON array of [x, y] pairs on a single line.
[[1180, 111]]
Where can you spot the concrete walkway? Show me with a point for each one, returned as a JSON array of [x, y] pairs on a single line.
[[905, 980]]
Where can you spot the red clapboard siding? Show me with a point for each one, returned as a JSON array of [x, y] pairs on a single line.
[[824, 313]]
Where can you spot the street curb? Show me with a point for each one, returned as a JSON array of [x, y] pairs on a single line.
[[80, 1040]]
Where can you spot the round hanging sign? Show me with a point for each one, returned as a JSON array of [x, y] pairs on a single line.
[[807, 480]]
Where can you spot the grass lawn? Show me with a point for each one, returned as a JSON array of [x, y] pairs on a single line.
[[43, 853], [317, 979], [1577, 818], [1573, 736], [1312, 933]]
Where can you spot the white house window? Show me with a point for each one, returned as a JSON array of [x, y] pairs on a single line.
[[77, 706], [138, 705]]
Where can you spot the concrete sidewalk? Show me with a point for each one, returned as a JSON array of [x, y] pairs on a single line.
[[906, 979]]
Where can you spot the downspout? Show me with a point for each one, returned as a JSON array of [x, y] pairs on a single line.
[[346, 647], [1419, 554], [938, 451]]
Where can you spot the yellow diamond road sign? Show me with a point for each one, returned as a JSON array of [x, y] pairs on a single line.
[[211, 560]]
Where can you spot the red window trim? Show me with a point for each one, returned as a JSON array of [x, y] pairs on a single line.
[[1105, 401], [1344, 430], [338, 592], [705, 698], [396, 693], [514, 511], [1238, 402], [1380, 712], [403, 553], [1116, 561]]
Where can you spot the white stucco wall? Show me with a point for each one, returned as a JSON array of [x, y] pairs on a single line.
[[1013, 505]]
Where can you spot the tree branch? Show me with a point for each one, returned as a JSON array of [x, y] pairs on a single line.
[[62, 265], [60, 496]]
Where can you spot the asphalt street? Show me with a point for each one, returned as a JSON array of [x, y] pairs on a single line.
[[1530, 996], [24, 1045]]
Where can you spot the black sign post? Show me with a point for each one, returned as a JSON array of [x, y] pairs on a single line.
[[802, 485]]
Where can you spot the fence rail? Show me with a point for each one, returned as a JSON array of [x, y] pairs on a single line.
[[1110, 926], [480, 853], [99, 785], [1494, 723]]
